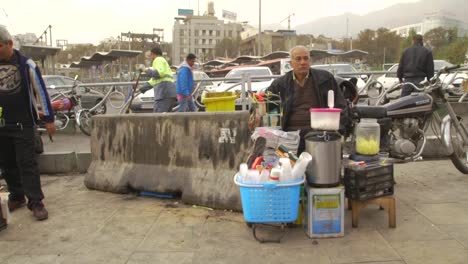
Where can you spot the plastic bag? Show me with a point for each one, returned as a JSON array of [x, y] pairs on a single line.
[[275, 137]]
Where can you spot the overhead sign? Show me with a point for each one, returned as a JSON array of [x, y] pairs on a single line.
[[229, 15], [185, 12]]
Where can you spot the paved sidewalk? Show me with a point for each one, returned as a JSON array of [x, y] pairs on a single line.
[[96, 227]]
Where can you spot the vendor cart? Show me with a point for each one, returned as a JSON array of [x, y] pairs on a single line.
[[270, 203]]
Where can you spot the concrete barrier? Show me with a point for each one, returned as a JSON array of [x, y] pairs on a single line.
[[195, 154], [64, 162]]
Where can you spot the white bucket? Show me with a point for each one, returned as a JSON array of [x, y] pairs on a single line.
[[325, 118]]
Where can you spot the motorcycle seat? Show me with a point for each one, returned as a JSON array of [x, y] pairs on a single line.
[[365, 111]]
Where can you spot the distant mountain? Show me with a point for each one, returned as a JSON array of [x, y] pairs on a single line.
[[391, 17]]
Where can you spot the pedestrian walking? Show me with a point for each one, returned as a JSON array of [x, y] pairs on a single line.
[[162, 82], [184, 84]]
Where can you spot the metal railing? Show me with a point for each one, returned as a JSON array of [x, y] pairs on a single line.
[[245, 82]]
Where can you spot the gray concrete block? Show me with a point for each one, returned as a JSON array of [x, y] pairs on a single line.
[[57, 162], [83, 160]]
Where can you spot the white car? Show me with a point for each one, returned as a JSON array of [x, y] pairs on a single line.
[[258, 85], [145, 102], [336, 69], [389, 80]]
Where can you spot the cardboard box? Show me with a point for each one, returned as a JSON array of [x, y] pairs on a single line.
[[324, 212]]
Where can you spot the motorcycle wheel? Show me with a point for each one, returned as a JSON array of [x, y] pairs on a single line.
[[459, 156], [84, 121]]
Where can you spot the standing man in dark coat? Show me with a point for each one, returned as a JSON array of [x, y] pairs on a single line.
[[415, 65], [22, 92]]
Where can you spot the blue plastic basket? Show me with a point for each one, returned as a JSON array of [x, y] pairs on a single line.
[[270, 202]]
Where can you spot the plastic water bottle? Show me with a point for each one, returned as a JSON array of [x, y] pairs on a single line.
[[300, 166], [275, 175], [253, 176], [286, 171], [243, 168], [264, 176]]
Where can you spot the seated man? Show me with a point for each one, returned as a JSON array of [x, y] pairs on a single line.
[[304, 88]]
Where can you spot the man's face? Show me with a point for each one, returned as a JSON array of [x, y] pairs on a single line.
[[191, 62], [300, 61], [153, 55], [6, 50]]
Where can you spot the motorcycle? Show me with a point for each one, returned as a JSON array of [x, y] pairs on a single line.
[[66, 106], [403, 123]]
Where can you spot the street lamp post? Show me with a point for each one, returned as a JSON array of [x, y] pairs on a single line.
[[259, 27]]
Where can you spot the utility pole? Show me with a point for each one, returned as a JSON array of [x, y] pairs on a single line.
[[259, 27], [50, 34], [347, 28]]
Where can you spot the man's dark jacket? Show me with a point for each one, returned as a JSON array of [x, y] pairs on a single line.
[[323, 82], [416, 62]]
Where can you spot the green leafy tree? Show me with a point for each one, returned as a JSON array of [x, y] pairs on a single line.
[[382, 44], [439, 37]]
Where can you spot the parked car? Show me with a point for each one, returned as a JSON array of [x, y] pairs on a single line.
[[145, 102], [258, 85], [338, 68], [388, 80], [89, 98]]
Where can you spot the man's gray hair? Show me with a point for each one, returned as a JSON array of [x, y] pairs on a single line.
[[4, 35], [300, 47]]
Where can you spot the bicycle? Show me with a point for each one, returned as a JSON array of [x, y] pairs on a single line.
[[84, 115]]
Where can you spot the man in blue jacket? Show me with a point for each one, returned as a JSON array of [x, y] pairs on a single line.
[[184, 84], [22, 93]]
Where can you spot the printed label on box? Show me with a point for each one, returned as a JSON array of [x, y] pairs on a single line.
[[326, 211]]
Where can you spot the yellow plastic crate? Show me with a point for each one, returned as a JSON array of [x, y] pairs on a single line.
[[219, 101]]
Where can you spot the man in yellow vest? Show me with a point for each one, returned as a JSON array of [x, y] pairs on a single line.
[[165, 96]]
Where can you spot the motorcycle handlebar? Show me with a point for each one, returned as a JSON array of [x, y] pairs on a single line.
[[447, 69]]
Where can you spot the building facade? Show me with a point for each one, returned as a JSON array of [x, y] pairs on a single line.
[[434, 20], [199, 35], [281, 40]]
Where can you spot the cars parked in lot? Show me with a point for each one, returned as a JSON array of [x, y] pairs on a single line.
[[389, 80], [145, 102], [89, 98], [258, 85], [338, 68]]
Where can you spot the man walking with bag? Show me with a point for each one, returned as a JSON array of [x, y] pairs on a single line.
[[22, 92]]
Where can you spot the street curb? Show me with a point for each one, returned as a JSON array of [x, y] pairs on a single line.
[[64, 162]]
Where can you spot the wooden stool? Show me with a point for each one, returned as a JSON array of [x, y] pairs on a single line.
[[385, 202]]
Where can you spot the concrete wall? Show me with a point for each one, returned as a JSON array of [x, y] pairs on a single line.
[[195, 154]]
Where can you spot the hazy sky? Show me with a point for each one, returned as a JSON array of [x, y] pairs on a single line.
[[90, 21]]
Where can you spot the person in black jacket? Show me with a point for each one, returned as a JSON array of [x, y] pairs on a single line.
[[416, 64], [304, 88], [22, 93]]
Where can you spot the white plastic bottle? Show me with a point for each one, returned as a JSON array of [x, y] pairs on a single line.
[[286, 171], [300, 166], [275, 175], [264, 176], [243, 168]]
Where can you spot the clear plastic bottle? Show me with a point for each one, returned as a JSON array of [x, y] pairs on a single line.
[[275, 175], [368, 137], [286, 170]]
